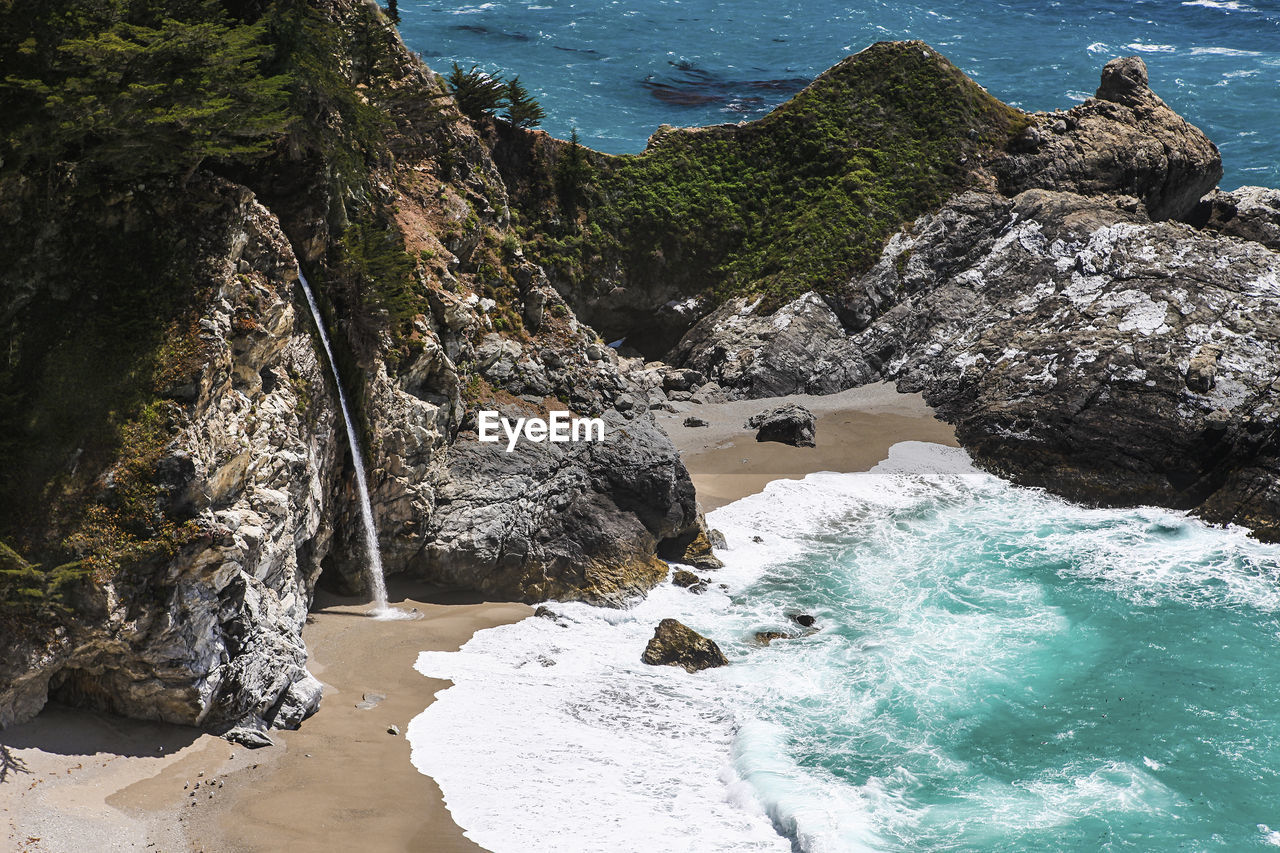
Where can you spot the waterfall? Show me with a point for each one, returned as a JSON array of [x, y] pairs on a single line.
[[376, 581]]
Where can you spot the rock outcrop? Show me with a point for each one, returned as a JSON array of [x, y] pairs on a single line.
[[1126, 140], [675, 644], [212, 637], [791, 424], [802, 348], [1078, 336], [1107, 357]]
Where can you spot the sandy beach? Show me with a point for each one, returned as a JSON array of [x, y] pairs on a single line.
[[855, 430], [74, 780]]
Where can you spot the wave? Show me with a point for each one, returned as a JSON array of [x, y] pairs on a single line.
[[947, 601], [1226, 5]]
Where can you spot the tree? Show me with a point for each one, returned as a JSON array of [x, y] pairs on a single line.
[[478, 93], [393, 11], [572, 175], [133, 100], [522, 109]]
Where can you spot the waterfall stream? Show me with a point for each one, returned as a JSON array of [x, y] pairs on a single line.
[[377, 583]]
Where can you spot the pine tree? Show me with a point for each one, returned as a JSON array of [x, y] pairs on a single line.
[[478, 94], [393, 11], [522, 109], [132, 100], [572, 175]]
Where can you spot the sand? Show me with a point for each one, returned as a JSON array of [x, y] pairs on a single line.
[[74, 780], [82, 781], [855, 430]]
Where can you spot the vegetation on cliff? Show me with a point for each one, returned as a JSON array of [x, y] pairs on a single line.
[[121, 91], [111, 107], [800, 200]]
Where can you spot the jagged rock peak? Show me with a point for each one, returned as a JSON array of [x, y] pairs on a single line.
[[1124, 81]]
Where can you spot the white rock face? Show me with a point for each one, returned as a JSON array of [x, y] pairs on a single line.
[[214, 639]]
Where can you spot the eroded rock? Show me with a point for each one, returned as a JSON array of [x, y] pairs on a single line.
[[790, 424], [675, 644]]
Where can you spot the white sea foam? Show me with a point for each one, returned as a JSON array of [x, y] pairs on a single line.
[[1226, 5], [556, 737], [1222, 51]]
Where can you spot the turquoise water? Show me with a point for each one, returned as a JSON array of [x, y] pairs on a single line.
[[994, 670], [616, 70], [1007, 673]]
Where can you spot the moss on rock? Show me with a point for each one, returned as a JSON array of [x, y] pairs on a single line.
[[800, 200]]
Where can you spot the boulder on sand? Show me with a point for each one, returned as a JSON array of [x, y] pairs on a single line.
[[789, 424]]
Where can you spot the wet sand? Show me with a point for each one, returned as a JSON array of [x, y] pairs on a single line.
[[80, 781], [855, 430]]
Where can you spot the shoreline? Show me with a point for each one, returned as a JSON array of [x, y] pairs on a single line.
[[82, 780], [855, 429], [78, 778]]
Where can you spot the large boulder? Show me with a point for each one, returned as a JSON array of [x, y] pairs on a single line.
[[566, 521], [1125, 140], [1104, 356], [790, 424], [675, 644]]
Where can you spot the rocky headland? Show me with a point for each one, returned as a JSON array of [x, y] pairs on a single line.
[[1069, 289]]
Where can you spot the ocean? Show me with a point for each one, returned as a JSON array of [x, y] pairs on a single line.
[[617, 70], [993, 669]]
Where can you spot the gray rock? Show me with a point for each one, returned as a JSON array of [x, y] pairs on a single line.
[[1125, 140], [683, 380], [1250, 213], [695, 421], [675, 644], [800, 349], [563, 521], [249, 737], [790, 424], [301, 700]]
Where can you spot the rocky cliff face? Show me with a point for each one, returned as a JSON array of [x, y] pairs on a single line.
[[212, 637], [1079, 337], [240, 500]]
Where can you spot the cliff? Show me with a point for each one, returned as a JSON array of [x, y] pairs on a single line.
[[1064, 287], [1101, 325], [176, 479]]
